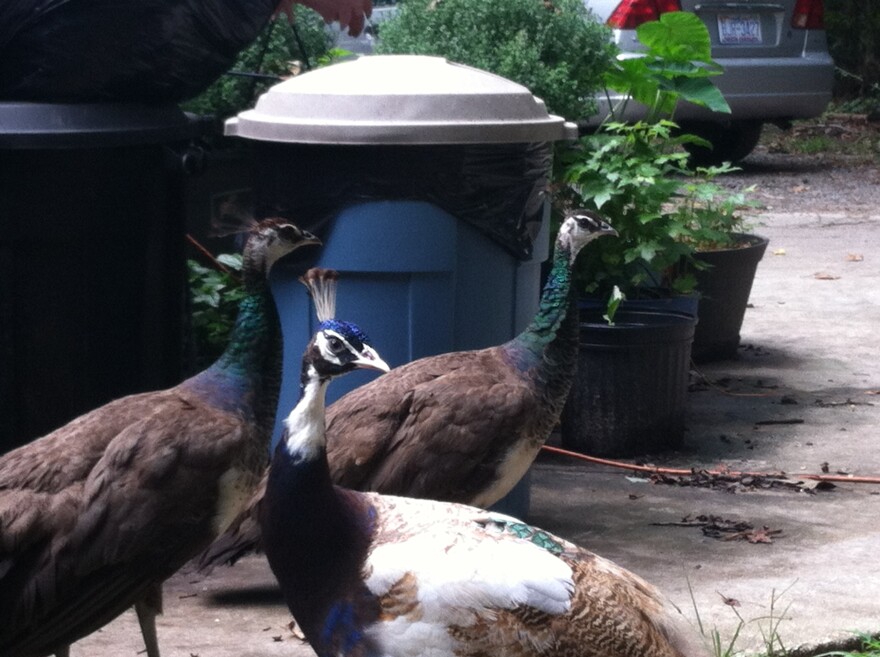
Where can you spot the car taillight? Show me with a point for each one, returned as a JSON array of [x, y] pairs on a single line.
[[632, 13], [808, 15]]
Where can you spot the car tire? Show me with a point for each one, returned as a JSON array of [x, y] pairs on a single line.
[[730, 142]]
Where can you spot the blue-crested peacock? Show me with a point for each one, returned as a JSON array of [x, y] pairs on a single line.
[[96, 515], [368, 575]]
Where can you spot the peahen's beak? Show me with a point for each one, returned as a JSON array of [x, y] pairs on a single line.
[[310, 238]]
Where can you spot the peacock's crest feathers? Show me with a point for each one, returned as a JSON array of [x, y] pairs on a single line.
[[321, 284]]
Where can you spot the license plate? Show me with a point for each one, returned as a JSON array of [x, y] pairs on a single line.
[[739, 29]]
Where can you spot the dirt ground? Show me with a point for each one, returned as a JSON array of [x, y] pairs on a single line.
[[844, 179]]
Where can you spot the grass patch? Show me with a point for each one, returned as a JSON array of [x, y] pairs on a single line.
[[870, 647], [813, 144], [769, 624], [853, 136]]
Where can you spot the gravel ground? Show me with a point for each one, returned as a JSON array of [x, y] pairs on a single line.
[[824, 183]]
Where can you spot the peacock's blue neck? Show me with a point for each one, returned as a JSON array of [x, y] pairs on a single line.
[[246, 379], [316, 536]]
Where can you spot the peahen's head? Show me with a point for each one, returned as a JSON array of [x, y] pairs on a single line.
[[580, 228], [270, 240], [338, 348]]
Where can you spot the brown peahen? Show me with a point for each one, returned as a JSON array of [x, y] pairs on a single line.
[[461, 426], [369, 575], [96, 515]]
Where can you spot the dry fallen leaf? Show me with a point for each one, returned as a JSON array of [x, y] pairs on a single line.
[[854, 257], [825, 276], [730, 602], [762, 535]]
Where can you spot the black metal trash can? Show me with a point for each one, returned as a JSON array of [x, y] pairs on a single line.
[[92, 279]]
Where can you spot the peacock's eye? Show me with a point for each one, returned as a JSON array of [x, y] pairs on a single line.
[[336, 345]]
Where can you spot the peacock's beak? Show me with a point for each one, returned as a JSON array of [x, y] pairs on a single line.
[[369, 360]]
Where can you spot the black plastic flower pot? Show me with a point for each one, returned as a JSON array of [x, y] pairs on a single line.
[[724, 294], [629, 395]]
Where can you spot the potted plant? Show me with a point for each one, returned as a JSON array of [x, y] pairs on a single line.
[[725, 260], [633, 362], [631, 389]]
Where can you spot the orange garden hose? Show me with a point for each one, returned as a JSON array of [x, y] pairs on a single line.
[[682, 472]]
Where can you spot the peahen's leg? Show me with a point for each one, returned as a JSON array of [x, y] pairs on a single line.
[[147, 609]]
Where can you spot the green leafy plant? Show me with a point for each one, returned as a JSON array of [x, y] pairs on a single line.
[[637, 173], [676, 66], [555, 48], [712, 215], [629, 172], [215, 293]]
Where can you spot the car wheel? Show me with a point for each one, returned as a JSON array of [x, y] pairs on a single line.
[[730, 143]]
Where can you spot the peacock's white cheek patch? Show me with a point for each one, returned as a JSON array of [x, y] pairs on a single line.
[[323, 344]]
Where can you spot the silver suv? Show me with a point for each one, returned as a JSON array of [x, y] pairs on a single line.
[[774, 53], [775, 58]]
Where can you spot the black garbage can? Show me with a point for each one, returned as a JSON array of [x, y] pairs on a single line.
[[92, 279]]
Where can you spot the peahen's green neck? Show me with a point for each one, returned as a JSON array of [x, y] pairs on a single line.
[[246, 378], [547, 349], [555, 306]]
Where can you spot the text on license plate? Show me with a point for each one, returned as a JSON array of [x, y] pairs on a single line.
[[739, 28]]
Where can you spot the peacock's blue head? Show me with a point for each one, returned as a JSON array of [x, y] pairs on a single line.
[[339, 347]]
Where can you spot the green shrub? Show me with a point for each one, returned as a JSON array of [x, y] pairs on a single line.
[[637, 173], [273, 53], [215, 293], [555, 48], [853, 28]]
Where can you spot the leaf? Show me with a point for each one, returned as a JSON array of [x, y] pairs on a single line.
[[825, 276], [762, 535], [613, 304], [231, 260], [730, 602], [677, 36], [702, 92]]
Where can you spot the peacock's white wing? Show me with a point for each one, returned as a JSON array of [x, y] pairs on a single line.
[[436, 567]]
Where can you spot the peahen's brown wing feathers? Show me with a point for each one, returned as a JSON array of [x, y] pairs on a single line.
[[70, 452], [437, 428], [73, 558]]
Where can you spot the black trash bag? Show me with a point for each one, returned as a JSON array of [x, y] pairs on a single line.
[[498, 188], [147, 51]]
